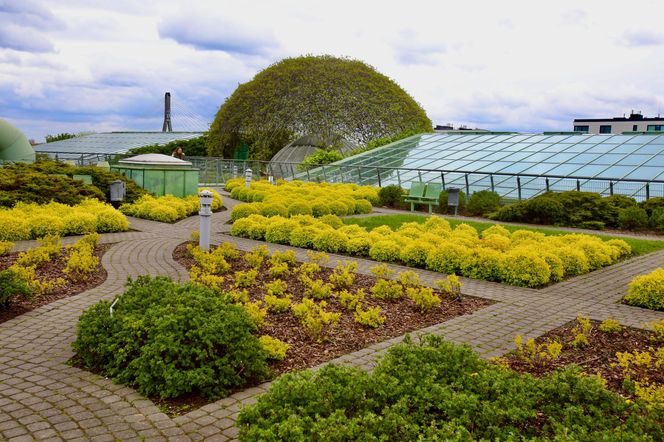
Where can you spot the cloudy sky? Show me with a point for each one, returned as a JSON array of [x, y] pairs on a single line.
[[92, 65]]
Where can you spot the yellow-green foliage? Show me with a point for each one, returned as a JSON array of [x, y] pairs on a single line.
[[370, 317], [30, 221], [534, 353], [256, 312], [299, 198], [277, 287], [212, 262], [319, 258], [658, 328], [245, 278], [274, 348], [81, 261], [287, 257], [423, 297], [610, 326], [635, 367], [350, 300], [409, 279], [382, 271], [451, 285], [343, 275], [33, 257], [279, 269], [6, 247], [647, 290], [385, 289], [314, 318], [317, 288], [239, 296], [581, 331], [276, 304], [308, 269], [167, 208], [523, 258]]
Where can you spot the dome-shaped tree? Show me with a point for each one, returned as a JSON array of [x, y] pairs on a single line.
[[323, 96]]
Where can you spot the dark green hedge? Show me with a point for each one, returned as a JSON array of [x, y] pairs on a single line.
[[38, 183], [440, 391], [169, 339]]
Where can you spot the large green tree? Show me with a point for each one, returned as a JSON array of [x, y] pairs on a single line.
[[325, 96]]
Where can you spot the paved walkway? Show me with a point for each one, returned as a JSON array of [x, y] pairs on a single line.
[[42, 398]]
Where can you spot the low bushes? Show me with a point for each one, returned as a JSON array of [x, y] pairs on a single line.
[[167, 208], [300, 198], [483, 202], [30, 221], [436, 390], [584, 209], [523, 258], [38, 183], [169, 339], [647, 291]]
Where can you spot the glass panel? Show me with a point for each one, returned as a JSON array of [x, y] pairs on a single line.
[[634, 160], [564, 169], [561, 157], [609, 158], [645, 173], [539, 156], [651, 148], [538, 169], [589, 170], [616, 171]]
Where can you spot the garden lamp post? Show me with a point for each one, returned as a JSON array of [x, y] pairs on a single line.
[[247, 178], [205, 213]]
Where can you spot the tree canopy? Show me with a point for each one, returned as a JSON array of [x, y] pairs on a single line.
[[332, 98]]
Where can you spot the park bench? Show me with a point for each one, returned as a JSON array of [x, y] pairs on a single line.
[[421, 193]]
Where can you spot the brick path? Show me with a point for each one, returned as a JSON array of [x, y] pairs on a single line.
[[42, 398]]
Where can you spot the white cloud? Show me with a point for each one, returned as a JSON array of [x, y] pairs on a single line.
[[94, 64]]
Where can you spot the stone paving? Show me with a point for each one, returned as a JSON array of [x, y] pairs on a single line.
[[43, 398]]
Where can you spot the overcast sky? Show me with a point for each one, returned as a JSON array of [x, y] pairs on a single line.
[[75, 65]]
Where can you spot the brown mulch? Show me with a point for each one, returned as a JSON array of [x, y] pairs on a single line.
[[400, 317], [598, 357], [48, 271]]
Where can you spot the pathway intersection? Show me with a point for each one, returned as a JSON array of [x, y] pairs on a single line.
[[43, 398]]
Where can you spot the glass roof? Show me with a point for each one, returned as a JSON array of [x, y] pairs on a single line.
[[114, 142], [593, 160]]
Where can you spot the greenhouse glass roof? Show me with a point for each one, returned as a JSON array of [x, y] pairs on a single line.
[[599, 163], [114, 142]]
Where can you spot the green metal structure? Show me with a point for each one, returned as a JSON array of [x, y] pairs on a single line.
[[14, 146], [160, 174]]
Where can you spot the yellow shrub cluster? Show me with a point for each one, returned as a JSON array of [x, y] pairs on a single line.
[[30, 221], [647, 291], [299, 198], [168, 208], [523, 258], [82, 260]]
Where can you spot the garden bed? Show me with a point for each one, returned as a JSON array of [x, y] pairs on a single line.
[[50, 271], [598, 356], [400, 317]]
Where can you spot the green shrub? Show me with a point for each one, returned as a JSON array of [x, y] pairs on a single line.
[[363, 207], [243, 211], [12, 285], [647, 291], [436, 390], [483, 202], [391, 196], [656, 220], [633, 218], [320, 157], [651, 204], [169, 339]]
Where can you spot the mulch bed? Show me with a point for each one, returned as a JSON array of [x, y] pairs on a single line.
[[598, 357], [400, 317], [47, 271]]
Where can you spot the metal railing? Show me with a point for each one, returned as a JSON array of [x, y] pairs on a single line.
[[216, 171]]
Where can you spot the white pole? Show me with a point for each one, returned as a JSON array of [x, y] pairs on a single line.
[[205, 215]]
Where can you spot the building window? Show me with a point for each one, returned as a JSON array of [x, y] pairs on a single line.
[[656, 128], [581, 129], [605, 129], [635, 128]]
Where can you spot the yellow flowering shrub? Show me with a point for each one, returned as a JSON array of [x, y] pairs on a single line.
[[298, 198], [167, 208], [6, 247], [647, 290], [522, 258]]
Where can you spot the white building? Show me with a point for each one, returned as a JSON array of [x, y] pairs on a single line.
[[634, 123]]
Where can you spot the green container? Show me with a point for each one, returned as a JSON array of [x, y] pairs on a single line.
[[160, 174]]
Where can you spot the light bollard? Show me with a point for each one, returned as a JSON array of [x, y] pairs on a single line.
[[247, 178], [205, 213]]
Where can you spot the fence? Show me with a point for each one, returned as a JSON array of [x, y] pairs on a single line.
[[216, 171]]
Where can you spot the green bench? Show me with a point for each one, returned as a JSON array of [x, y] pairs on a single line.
[[421, 193]]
